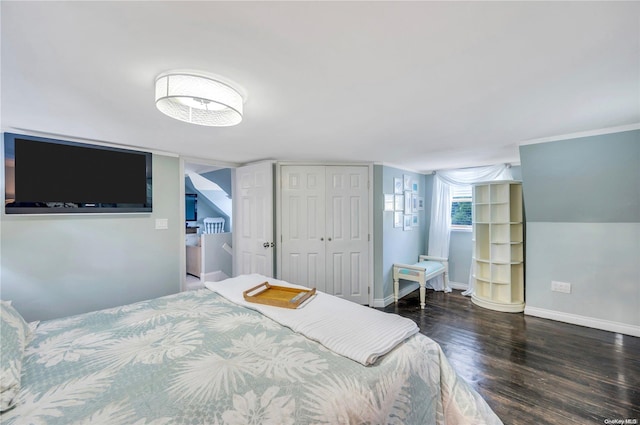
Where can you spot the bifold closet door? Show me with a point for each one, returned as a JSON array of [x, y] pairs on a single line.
[[303, 224], [347, 226], [324, 214]]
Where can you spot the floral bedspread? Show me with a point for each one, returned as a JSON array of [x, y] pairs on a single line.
[[196, 358]]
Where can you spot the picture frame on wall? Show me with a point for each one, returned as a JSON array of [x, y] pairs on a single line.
[[415, 186], [407, 222], [407, 202], [407, 182], [420, 203], [414, 202], [398, 202], [397, 185], [397, 219], [389, 202], [415, 220]]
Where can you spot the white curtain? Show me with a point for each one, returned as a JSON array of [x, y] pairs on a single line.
[[440, 228]]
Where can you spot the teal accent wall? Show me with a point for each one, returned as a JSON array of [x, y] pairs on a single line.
[[582, 207], [56, 266], [587, 180]]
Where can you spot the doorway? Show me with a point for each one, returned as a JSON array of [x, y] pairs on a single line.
[[208, 207]]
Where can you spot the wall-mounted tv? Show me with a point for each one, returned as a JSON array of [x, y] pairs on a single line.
[[47, 176]]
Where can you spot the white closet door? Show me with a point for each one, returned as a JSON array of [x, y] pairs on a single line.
[[303, 224], [324, 214], [253, 235], [347, 246]]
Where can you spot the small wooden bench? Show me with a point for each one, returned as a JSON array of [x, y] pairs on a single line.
[[426, 268]]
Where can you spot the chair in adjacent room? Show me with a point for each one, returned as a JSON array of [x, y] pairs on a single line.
[[213, 225]]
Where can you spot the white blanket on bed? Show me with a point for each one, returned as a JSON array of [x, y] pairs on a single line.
[[360, 333]]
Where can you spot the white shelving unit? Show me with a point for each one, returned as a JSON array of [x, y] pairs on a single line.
[[498, 237]]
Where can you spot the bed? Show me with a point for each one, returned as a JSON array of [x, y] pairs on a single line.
[[201, 357]]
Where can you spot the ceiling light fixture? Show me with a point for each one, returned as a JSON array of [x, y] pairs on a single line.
[[198, 98]]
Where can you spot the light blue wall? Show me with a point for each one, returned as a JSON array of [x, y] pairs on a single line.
[[582, 203], [460, 253], [55, 266], [395, 245], [378, 233], [600, 260]]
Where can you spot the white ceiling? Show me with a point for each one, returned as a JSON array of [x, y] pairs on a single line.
[[419, 85]]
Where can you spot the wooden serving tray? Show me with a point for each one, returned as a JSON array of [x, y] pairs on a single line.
[[279, 296]]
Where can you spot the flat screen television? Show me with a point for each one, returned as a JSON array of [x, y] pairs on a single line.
[[47, 176]]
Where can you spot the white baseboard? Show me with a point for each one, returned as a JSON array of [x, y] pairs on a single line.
[[590, 322], [382, 302], [458, 286], [405, 289], [216, 276]]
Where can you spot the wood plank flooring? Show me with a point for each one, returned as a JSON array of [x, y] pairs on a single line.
[[532, 370]]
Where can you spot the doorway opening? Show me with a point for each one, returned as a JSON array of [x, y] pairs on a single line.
[[208, 223]]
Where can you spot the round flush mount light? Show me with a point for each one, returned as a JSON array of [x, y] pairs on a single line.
[[198, 98]]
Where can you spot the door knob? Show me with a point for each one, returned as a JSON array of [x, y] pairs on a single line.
[[321, 239], [272, 244], [329, 239], [266, 244]]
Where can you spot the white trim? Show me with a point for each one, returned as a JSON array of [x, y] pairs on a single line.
[[458, 286], [461, 228], [398, 167], [409, 288], [370, 237], [324, 164], [382, 302], [210, 162], [260, 161], [514, 163], [588, 133], [216, 276], [404, 291], [590, 322], [277, 182], [182, 237]]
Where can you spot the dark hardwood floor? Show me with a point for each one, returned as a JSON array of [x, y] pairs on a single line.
[[532, 370]]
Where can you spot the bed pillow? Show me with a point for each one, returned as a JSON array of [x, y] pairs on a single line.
[[14, 332]]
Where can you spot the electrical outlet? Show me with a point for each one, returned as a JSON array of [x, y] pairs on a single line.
[[162, 223], [563, 287]]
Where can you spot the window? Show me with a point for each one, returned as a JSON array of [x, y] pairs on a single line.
[[461, 207]]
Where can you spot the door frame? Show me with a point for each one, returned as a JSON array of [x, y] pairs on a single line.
[[183, 230], [278, 216]]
